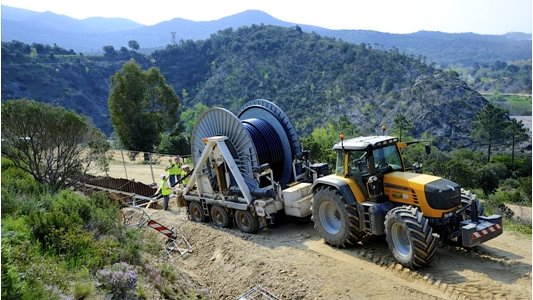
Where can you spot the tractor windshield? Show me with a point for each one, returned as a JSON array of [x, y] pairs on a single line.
[[387, 159]]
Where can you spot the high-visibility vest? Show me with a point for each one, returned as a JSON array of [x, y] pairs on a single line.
[[174, 169], [165, 189]]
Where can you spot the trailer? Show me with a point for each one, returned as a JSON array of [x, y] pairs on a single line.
[[249, 170]]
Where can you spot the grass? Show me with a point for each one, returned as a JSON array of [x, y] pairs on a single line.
[[517, 105], [518, 227]]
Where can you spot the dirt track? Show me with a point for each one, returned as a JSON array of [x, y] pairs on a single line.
[[292, 262]]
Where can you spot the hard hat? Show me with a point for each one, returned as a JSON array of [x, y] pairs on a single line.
[[185, 167], [163, 176]]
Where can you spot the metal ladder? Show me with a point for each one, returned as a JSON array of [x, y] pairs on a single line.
[[204, 206]]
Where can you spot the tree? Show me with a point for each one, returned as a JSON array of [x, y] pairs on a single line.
[[134, 45], [53, 144], [401, 124], [489, 127], [320, 143], [346, 126], [516, 132], [109, 51], [141, 105], [189, 118]]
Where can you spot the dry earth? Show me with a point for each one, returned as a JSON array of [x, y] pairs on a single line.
[[292, 262]]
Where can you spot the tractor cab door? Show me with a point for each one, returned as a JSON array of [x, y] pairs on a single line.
[[354, 165], [382, 161]]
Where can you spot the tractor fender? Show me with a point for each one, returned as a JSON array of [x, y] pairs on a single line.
[[339, 184]]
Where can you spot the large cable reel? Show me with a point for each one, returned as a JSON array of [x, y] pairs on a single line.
[[262, 133]]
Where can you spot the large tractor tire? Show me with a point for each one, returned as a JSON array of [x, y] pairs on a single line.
[[246, 221], [410, 237], [335, 221]]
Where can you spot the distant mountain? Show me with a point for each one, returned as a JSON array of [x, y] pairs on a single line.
[[314, 79], [90, 35]]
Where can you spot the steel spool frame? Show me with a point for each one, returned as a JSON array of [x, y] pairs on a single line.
[[257, 136]]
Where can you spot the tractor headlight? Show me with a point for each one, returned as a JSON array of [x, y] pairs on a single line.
[[448, 215]]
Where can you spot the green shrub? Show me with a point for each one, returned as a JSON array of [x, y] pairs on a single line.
[[6, 164], [46, 236], [104, 214], [131, 247], [509, 183], [525, 188], [82, 289], [18, 180], [488, 180], [107, 250]]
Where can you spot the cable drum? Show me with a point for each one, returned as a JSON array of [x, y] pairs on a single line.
[[267, 144], [262, 134]]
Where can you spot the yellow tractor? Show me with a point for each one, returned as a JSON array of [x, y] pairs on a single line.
[[371, 193]]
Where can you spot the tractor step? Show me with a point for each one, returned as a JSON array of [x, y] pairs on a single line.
[[476, 233]]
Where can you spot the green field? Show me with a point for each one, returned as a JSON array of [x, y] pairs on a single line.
[[517, 105]]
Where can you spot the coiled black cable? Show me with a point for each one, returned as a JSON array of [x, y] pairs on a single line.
[[267, 143]]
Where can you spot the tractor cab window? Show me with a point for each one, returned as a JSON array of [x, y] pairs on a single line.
[[357, 163], [387, 159]]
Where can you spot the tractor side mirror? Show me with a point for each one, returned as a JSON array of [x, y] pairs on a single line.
[[417, 167], [427, 147]]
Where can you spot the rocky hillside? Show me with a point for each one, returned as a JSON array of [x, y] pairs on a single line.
[[313, 78]]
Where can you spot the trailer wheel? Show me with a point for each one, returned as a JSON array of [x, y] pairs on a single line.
[[220, 216], [410, 237], [335, 221], [196, 212], [246, 221]]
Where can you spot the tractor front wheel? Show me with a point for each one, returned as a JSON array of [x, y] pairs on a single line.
[[410, 237]]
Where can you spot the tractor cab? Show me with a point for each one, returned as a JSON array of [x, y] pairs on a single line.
[[366, 160]]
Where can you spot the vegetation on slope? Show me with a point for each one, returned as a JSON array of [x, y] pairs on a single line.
[[306, 74], [63, 245]]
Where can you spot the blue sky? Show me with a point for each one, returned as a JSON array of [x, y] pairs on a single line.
[[396, 16]]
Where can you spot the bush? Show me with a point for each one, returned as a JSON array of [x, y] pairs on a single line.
[[488, 180], [525, 188], [103, 218], [82, 289], [120, 279]]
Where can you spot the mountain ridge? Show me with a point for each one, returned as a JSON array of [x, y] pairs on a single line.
[[306, 74], [90, 35]]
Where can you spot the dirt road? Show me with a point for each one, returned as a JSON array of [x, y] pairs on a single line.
[[292, 262]]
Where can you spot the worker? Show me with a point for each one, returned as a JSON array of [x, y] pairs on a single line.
[[174, 170], [186, 169], [165, 189]]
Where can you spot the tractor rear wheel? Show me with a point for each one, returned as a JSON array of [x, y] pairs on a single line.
[[196, 212], [335, 221], [410, 237], [246, 221], [220, 216]]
